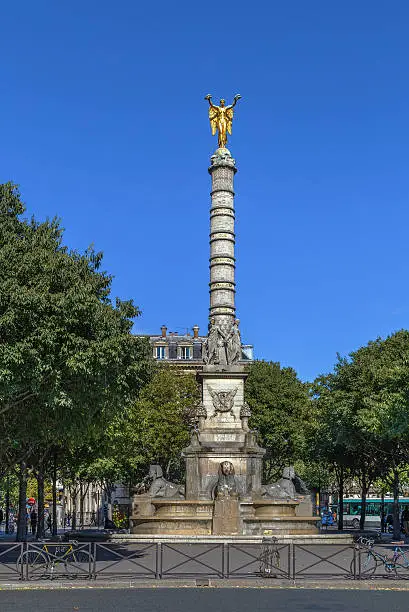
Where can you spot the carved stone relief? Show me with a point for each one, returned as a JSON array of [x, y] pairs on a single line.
[[223, 401]]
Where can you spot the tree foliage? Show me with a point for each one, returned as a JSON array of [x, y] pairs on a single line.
[[157, 425], [280, 406], [362, 416], [68, 362]]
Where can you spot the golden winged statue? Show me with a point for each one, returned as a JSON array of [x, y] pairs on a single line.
[[221, 118]]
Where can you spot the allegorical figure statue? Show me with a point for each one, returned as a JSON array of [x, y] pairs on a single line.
[[221, 118], [234, 344], [214, 347]]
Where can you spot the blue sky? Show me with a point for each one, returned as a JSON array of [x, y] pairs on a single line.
[[103, 123]]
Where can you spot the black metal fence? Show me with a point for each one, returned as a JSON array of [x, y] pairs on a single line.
[[223, 560]]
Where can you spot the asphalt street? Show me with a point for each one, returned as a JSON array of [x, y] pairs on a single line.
[[202, 600]]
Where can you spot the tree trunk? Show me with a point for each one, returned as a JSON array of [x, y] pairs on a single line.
[[341, 498], [109, 489], [83, 493], [54, 519], [395, 506], [81, 506], [8, 505], [40, 505], [363, 506], [383, 517], [74, 493], [22, 500], [64, 509]]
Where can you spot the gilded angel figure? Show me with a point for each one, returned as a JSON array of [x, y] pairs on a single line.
[[221, 118]]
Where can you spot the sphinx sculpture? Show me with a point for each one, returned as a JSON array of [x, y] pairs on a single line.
[[155, 485], [289, 486]]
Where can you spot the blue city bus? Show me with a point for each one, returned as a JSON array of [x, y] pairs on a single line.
[[353, 505]]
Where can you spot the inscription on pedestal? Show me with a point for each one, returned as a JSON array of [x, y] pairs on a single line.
[[224, 437]]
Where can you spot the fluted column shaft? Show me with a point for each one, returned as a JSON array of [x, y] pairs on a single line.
[[222, 240]]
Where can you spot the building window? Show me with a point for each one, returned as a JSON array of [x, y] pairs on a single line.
[[160, 352], [185, 352]]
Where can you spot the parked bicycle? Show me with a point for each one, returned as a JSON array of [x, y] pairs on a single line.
[[370, 559], [269, 558], [45, 559]]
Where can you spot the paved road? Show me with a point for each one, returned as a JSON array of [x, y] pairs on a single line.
[[202, 600]]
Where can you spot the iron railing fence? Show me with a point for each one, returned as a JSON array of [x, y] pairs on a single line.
[[266, 560], [207, 559], [128, 560], [202, 560], [324, 561], [10, 553]]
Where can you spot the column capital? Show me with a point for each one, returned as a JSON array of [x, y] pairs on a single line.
[[222, 158]]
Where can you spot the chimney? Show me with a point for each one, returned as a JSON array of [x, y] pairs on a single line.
[[195, 331], [164, 330]]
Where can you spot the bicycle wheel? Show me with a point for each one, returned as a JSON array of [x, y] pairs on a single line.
[[82, 556], [80, 562], [401, 567], [368, 565], [34, 562], [390, 568]]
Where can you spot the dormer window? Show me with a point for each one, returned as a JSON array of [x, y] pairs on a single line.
[[186, 352], [160, 352]]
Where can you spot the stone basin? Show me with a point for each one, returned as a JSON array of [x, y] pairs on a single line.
[[269, 508], [196, 517]]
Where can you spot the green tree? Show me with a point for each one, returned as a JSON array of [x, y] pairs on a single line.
[[68, 361], [280, 407], [156, 427], [362, 414], [378, 379]]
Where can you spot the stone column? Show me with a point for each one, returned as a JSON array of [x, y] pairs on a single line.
[[222, 239]]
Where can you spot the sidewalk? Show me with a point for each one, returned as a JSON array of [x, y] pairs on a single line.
[[332, 584]]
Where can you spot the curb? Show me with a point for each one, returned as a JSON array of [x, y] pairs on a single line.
[[381, 585]]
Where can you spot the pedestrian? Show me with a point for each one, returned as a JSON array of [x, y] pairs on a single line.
[[12, 523], [405, 519], [49, 524], [33, 521], [327, 520], [383, 521]]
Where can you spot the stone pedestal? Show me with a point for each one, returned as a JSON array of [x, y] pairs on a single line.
[[226, 516], [223, 435]]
